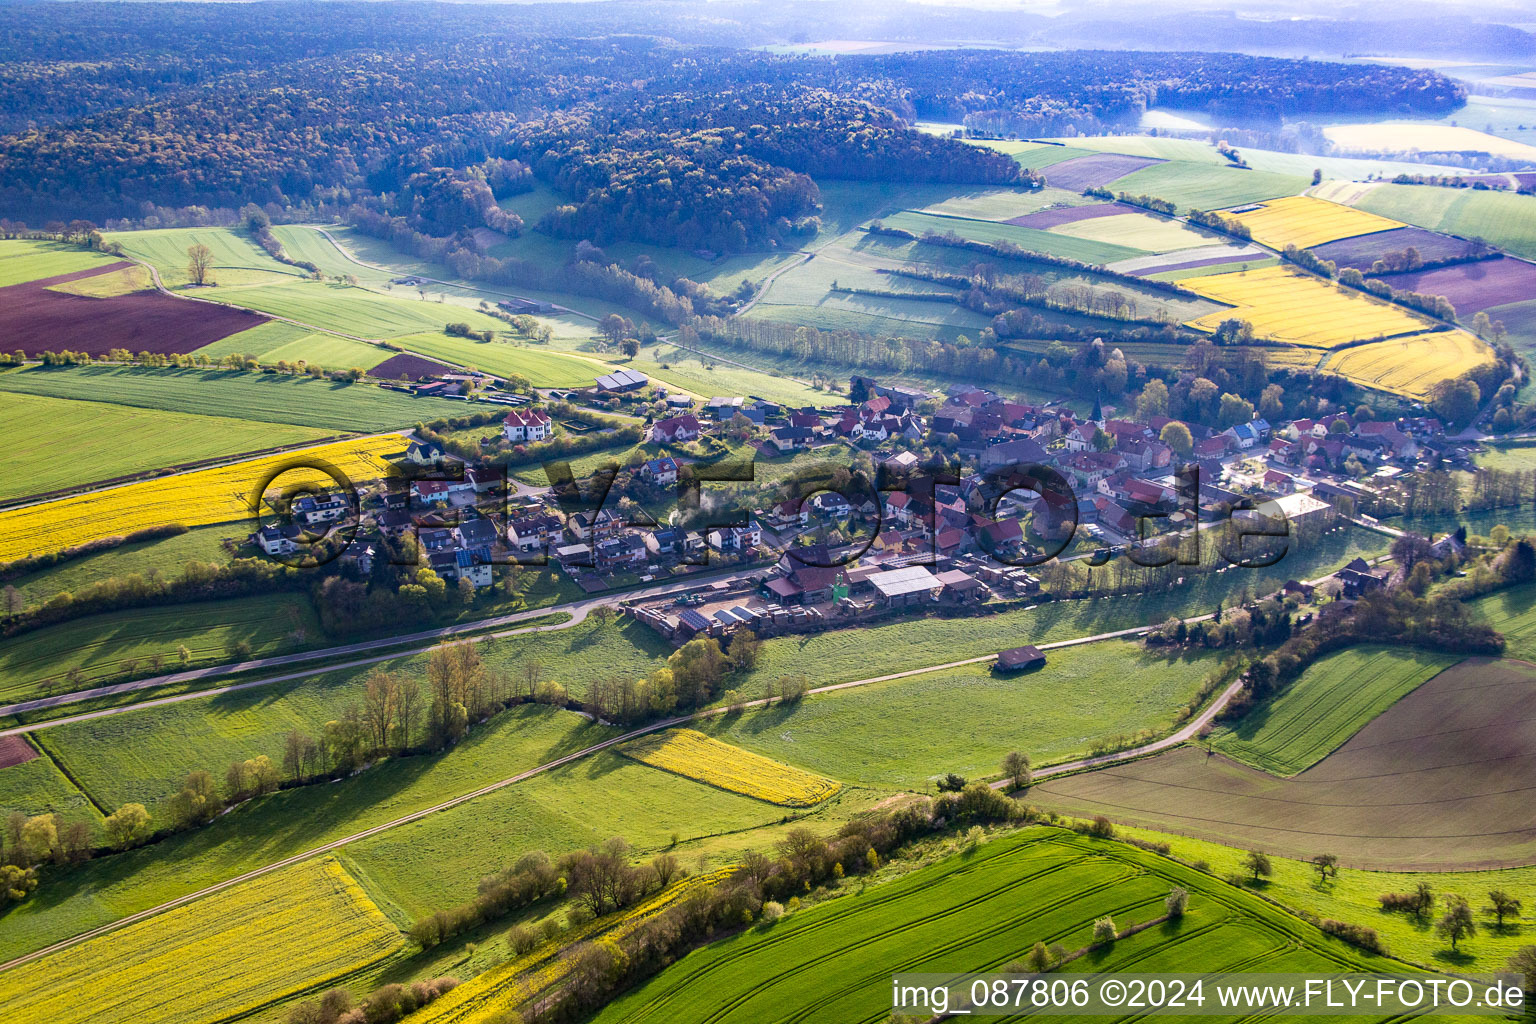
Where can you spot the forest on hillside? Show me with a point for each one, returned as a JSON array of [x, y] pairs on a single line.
[[646, 138]]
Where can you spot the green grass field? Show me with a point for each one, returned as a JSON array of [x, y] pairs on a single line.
[[1503, 218], [1208, 186], [167, 557], [1003, 204], [288, 822], [884, 735], [1331, 701], [235, 254], [1262, 160], [62, 443], [23, 260], [979, 910], [275, 340], [1033, 155], [1352, 897], [705, 378], [267, 398], [113, 645], [39, 787], [356, 311], [143, 756], [541, 366], [1513, 613], [435, 862], [1032, 239]]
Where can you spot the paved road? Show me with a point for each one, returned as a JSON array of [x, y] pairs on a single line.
[[426, 639]]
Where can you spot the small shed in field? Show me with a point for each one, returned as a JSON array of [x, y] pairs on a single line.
[[1020, 659]]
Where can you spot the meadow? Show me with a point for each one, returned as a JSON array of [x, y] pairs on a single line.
[[290, 821], [886, 735], [1303, 221], [202, 497], [1431, 784], [144, 755], [542, 367], [1006, 204], [60, 443], [237, 259], [1032, 239], [707, 377], [354, 310], [1352, 896], [1207, 187], [277, 340], [102, 648], [1405, 137], [165, 556], [1513, 613], [976, 910], [1503, 218], [1334, 698], [260, 941], [435, 862], [37, 786], [265, 397], [693, 755], [23, 260]]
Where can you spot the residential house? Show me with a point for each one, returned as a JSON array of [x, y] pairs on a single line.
[[662, 472], [787, 439], [676, 429], [527, 425], [424, 453]]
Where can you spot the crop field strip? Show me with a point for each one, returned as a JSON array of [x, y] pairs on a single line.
[[542, 367], [1411, 366], [1139, 230], [484, 998], [201, 497], [693, 755], [263, 397], [1289, 305], [1026, 238], [1304, 221], [976, 910], [24, 260], [99, 442], [1439, 781], [286, 932], [1333, 700]]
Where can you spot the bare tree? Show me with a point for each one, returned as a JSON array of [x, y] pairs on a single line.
[[199, 263], [379, 703]]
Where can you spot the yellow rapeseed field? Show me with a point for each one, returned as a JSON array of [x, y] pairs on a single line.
[[1411, 366], [487, 995], [1288, 305], [696, 756], [214, 958], [1305, 221], [219, 495]]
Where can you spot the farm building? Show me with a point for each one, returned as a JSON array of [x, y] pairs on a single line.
[[899, 588], [622, 380], [1017, 659]]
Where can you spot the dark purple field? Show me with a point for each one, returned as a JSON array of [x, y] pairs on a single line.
[[1363, 250], [1474, 286], [1043, 219], [1092, 171], [408, 367]]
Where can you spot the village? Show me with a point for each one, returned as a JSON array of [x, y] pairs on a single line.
[[797, 554]]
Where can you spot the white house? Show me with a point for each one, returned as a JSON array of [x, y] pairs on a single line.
[[527, 425]]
